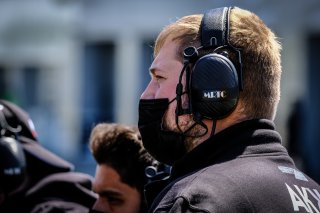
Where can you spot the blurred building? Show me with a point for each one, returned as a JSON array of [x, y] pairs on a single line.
[[74, 63]]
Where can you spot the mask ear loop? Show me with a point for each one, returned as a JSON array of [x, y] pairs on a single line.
[[179, 93]]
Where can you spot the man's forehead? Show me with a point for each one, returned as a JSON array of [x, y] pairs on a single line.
[[166, 55]]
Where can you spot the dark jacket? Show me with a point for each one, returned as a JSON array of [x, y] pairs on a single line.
[[244, 168], [34, 179], [50, 185]]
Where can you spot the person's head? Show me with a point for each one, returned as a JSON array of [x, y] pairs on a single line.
[[12, 156], [261, 72], [17, 124], [120, 176]]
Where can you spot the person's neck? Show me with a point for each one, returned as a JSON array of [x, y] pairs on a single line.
[[235, 117]]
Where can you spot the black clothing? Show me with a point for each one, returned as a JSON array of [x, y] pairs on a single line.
[[48, 182], [244, 168], [66, 191]]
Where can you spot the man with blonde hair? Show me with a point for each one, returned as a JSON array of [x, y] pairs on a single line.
[[208, 111]]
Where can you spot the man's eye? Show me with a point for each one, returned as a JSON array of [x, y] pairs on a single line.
[[115, 201], [158, 77]]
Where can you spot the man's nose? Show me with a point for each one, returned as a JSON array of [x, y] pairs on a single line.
[[150, 91], [101, 206]]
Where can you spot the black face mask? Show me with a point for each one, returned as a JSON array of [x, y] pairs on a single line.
[[165, 146]]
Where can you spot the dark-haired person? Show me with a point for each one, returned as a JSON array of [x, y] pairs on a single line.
[[209, 110], [33, 179], [120, 172]]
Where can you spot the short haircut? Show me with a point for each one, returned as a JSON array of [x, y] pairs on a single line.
[[120, 147], [260, 57]]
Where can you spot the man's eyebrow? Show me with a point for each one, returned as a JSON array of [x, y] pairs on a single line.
[[154, 70], [108, 192]]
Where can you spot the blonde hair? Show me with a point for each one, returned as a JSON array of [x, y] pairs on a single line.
[[260, 57]]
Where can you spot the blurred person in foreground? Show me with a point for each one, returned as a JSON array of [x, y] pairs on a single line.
[[120, 171], [33, 179], [208, 111]]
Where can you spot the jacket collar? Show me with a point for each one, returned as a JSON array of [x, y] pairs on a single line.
[[245, 138]]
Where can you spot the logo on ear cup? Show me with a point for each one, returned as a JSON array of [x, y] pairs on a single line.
[[215, 94], [214, 86]]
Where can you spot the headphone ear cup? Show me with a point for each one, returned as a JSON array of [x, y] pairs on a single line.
[[214, 86], [12, 164]]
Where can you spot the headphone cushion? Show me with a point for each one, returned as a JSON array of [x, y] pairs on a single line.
[[12, 164], [214, 86]]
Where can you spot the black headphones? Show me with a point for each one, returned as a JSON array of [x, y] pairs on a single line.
[[213, 82], [12, 159]]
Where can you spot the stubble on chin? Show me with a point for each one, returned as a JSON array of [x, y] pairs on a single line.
[[193, 137]]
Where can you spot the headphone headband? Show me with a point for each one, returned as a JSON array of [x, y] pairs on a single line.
[[215, 28], [213, 81]]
